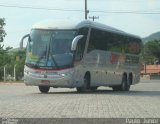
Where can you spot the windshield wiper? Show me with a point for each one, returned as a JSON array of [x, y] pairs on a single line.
[[41, 57], [50, 54]]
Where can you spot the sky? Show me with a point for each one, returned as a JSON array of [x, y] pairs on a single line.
[[141, 18]]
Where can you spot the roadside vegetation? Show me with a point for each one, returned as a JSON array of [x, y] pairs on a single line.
[[9, 58], [151, 52]]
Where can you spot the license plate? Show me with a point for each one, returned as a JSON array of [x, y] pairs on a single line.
[[45, 81]]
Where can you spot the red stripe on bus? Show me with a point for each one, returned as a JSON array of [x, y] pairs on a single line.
[[45, 70]]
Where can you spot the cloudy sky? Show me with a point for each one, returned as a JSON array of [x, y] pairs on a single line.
[[139, 17]]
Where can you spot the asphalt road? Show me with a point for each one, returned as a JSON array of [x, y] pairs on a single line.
[[20, 101]]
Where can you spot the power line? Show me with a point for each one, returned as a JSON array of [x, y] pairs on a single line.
[[40, 8], [153, 11], [76, 10], [126, 12]]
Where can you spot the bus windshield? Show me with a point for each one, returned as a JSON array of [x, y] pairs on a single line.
[[50, 49]]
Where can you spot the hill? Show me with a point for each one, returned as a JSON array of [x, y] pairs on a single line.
[[154, 36]]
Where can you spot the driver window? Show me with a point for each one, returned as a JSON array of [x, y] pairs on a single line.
[[80, 50], [81, 44]]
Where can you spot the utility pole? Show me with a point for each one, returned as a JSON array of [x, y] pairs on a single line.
[[94, 17], [15, 72], [4, 73], [86, 11]]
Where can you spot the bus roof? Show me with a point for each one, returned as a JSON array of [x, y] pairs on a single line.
[[67, 24], [55, 24]]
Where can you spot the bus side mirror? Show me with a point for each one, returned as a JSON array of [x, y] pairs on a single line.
[[22, 39], [75, 42]]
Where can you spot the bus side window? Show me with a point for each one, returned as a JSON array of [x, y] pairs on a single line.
[[97, 40], [134, 46]]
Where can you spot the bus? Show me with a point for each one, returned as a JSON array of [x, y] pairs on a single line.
[[83, 55]]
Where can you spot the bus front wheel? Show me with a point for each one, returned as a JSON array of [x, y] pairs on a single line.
[[86, 84], [44, 89], [79, 89]]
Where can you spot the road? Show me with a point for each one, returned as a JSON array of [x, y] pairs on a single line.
[[20, 101]]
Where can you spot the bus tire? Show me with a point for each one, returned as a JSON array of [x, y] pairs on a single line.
[[124, 85], [86, 84], [93, 88], [115, 88], [129, 82], [79, 89], [44, 89]]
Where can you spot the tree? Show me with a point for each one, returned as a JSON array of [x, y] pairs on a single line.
[[3, 56], [2, 31], [151, 51], [4, 60]]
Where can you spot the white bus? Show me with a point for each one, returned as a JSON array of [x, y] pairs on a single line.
[[82, 55]]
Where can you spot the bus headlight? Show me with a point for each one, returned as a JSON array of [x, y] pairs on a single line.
[[64, 74]]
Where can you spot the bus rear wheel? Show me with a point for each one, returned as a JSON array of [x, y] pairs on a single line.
[[125, 85], [129, 82], [44, 89], [93, 88], [116, 88]]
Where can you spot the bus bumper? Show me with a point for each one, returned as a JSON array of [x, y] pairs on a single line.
[[54, 79]]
